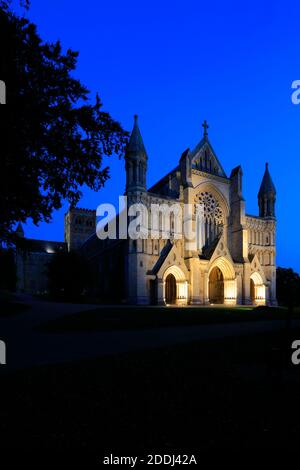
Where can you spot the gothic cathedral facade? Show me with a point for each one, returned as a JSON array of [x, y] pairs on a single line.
[[232, 263], [235, 262]]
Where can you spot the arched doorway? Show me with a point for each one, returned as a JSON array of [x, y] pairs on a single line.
[[257, 289], [216, 286], [175, 286], [171, 289], [222, 282]]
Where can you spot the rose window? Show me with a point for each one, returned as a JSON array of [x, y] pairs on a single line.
[[210, 218]]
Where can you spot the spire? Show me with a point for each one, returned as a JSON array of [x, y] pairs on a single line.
[[136, 144], [20, 230], [136, 160], [267, 195], [267, 186]]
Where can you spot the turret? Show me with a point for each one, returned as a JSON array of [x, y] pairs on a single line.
[[136, 161], [186, 169], [238, 233], [80, 224], [267, 196], [236, 184], [20, 230]]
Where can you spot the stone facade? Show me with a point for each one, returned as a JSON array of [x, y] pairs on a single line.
[[32, 259], [233, 260], [233, 263], [79, 226]]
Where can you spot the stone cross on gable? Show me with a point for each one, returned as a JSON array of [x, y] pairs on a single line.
[[205, 127]]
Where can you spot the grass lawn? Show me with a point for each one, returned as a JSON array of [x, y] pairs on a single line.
[[9, 306], [230, 393], [8, 309], [134, 318]]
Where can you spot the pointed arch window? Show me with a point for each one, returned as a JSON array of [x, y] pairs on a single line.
[[141, 172], [209, 219]]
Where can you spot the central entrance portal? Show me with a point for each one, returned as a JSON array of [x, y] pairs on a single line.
[[170, 289], [216, 286]]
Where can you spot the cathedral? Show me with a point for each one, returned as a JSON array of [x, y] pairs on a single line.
[[232, 263]]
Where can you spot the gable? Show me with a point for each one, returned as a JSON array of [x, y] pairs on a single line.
[[168, 186], [255, 266], [169, 256], [221, 250], [203, 158]]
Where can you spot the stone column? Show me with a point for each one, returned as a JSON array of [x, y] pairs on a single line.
[[195, 280], [246, 284], [239, 289], [160, 292], [205, 288]]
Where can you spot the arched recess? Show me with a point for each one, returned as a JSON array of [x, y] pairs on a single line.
[[170, 289], [216, 286], [209, 187], [229, 279], [214, 210], [181, 297], [257, 289]]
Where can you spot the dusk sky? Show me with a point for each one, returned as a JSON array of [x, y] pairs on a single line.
[[178, 63]]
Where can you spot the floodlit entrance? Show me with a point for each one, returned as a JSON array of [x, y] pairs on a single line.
[[257, 289], [175, 286], [221, 283], [216, 286], [170, 289]]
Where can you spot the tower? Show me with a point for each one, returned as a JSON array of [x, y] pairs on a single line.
[[136, 161], [80, 224], [266, 203], [20, 231], [238, 231], [267, 195], [136, 167]]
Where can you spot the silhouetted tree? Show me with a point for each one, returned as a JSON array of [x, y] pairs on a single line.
[[288, 287], [69, 274], [52, 139], [7, 3], [8, 276]]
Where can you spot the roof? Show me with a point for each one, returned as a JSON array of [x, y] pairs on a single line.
[[215, 169], [41, 246], [203, 146], [164, 253], [20, 230], [208, 251], [267, 186], [136, 145], [235, 171]]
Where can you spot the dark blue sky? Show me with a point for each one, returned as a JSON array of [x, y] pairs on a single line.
[[177, 63]]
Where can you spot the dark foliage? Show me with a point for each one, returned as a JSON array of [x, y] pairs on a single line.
[[52, 139], [8, 275], [69, 274], [288, 287], [6, 3]]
